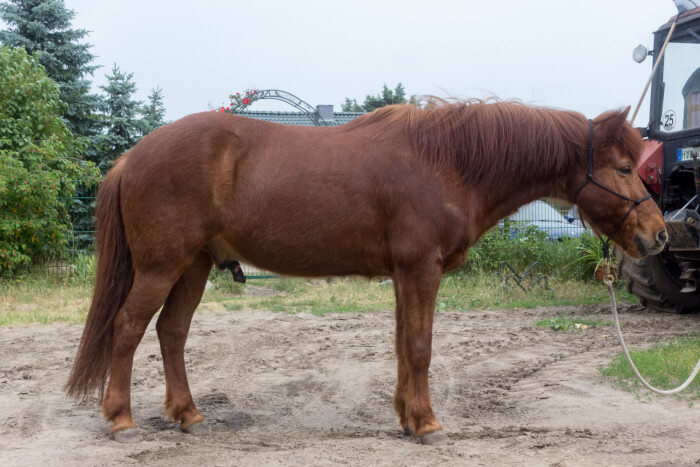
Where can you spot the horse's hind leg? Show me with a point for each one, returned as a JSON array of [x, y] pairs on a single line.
[[173, 326], [147, 295], [416, 291]]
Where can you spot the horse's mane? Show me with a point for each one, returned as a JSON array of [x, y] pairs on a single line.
[[490, 141]]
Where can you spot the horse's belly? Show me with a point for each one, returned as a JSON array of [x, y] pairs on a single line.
[[316, 250]]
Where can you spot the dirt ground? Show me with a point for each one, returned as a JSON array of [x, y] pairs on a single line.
[[301, 389]]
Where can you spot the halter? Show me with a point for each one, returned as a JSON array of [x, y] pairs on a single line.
[[591, 179]]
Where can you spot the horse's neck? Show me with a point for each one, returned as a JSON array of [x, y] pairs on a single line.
[[493, 202]]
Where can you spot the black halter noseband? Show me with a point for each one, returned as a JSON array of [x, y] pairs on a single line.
[[591, 179]]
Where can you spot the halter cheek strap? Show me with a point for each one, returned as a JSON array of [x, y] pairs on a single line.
[[591, 179]]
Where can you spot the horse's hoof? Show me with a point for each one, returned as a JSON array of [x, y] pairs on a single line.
[[127, 435], [407, 431], [436, 438], [197, 429]]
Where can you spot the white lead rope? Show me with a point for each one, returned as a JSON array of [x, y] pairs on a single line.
[[690, 379]]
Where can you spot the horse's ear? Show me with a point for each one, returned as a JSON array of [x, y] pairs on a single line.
[[608, 125]]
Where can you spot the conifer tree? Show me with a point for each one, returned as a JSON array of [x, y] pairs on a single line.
[[44, 27], [122, 118], [385, 97], [154, 111]]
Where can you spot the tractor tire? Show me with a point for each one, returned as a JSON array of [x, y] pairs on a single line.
[[654, 280]]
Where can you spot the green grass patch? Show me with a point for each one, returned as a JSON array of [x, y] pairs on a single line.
[[571, 323], [479, 290], [42, 296], [663, 366]]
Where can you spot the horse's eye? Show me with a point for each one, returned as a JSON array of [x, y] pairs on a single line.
[[625, 170]]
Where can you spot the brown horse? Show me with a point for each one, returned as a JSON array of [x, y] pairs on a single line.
[[402, 191]]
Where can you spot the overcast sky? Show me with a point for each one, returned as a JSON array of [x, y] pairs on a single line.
[[561, 53]]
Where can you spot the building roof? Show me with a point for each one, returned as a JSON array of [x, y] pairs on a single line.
[[297, 118]]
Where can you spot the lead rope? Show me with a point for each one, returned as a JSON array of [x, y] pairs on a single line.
[[613, 304]]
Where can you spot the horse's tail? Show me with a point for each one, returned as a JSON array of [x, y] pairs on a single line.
[[114, 278]]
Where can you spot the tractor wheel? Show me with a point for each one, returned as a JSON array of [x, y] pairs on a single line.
[[655, 280]]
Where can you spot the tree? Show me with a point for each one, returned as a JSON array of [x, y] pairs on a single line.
[[351, 105], [153, 111], [40, 163], [384, 98], [122, 118], [44, 27]]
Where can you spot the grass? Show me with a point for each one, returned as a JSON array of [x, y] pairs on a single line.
[[571, 323], [664, 366], [352, 295], [43, 297]]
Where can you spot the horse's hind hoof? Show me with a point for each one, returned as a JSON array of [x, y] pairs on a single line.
[[436, 438], [197, 429], [127, 435]]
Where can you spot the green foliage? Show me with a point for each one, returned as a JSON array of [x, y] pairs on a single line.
[[44, 27], [570, 323], [590, 254], [153, 111], [384, 98], [85, 267], [39, 163], [122, 116], [556, 257], [351, 105], [224, 283], [664, 366]]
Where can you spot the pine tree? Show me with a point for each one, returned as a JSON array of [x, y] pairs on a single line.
[[351, 105], [122, 118], [154, 111], [384, 98], [44, 27]]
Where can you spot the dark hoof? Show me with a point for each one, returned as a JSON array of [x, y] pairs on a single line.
[[407, 431], [198, 429], [128, 435], [436, 438]]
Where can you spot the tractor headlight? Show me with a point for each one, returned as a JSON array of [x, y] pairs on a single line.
[[639, 54]]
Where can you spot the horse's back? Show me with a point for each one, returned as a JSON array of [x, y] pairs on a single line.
[[295, 200]]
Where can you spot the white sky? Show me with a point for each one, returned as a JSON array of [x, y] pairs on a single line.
[[561, 53]]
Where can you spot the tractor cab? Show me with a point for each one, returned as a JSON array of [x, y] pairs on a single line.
[[674, 118], [675, 107], [670, 168]]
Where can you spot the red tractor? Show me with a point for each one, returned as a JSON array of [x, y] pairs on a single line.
[[670, 168]]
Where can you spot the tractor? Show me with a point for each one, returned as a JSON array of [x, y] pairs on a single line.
[[670, 168]]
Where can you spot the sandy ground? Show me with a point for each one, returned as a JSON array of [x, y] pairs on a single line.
[[301, 389]]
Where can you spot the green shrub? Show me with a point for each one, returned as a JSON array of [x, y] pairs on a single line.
[[85, 267], [591, 254], [560, 258], [40, 163], [224, 283]]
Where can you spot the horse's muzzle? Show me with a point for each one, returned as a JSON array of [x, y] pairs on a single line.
[[653, 247]]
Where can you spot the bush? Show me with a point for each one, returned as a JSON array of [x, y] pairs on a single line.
[[558, 258], [40, 163]]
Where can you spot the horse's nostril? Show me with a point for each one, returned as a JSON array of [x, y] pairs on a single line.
[[661, 236]]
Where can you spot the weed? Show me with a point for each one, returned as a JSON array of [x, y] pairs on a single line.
[[571, 323], [664, 366]]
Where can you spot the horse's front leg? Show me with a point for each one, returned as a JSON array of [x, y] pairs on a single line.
[[416, 290]]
